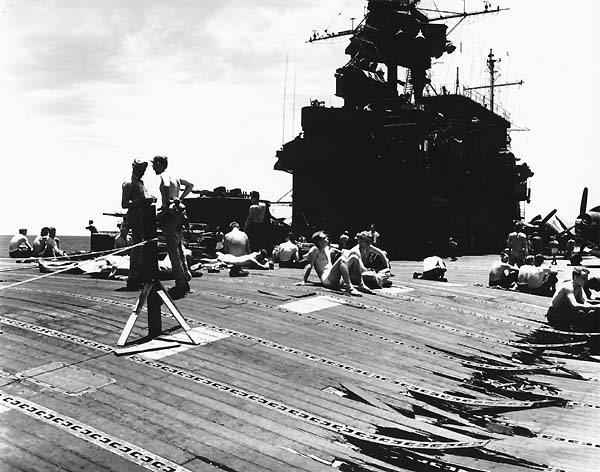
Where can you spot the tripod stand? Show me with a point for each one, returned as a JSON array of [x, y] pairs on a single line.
[[154, 293]]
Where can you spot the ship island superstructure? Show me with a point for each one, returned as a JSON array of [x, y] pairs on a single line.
[[421, 164]]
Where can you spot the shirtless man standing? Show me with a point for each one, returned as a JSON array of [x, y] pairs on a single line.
[[570, 307], [172, 218], [330, 274], [256, 222], [517, 245]]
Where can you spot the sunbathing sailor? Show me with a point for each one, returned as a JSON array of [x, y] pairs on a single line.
[[570, 309], [254, 260], [434, 268], [39, 243], [287, 253], [236, 243], [535, 279], [333, 274], [19, 245], [502, 274], [375, 263]]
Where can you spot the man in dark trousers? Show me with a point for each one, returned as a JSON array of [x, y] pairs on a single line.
[[171, 219], [256, 226], [133, 197]]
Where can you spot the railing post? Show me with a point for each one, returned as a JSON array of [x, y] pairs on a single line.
[[150, 269]]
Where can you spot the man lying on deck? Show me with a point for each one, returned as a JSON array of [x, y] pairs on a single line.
[[254, 260], [570, 309], [434, 268], [332, 275], [503, 274]]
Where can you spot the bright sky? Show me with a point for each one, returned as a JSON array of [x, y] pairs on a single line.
[[87, 85]]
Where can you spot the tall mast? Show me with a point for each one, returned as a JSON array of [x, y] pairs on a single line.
[[491, 63]]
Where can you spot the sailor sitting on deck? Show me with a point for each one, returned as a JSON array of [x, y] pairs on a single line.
[[236, 243], [377, 268], [39, 243], [19, 246], [434, 268], [535, 279], [570, 309], [332, 275], [503, 274], [287, 253]]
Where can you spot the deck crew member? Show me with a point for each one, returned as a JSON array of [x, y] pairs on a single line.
[[133, 196], [91, 228], [434, 268], [123, 239], [19, 245], [344, 240], [517, 246], [502, 274], [333, 274], [570, 307], [287, 253], [256, 226], [537, 244], [39, 243], [172, 218], [542, 280], [52, 234], [375, 263], [236, 243]]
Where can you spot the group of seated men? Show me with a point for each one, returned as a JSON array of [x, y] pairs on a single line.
[[572, 308], [347, 269], [46, 244], [530, 277]]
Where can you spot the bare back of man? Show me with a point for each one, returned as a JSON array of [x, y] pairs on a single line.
[[236, 243]]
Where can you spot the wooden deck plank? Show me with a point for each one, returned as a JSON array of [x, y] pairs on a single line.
[[459, 317]]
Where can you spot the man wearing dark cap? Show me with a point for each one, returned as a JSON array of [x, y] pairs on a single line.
[[133, 197], [171, 219]]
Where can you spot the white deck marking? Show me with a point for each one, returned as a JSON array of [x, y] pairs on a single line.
[[117, 446], [310, 305], [201, 337], [149, 346], [394, 289]]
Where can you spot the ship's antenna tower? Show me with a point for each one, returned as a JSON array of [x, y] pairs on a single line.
[[491, 63], [284, 97]]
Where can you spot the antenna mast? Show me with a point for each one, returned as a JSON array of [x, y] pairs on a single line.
[[491, 63]]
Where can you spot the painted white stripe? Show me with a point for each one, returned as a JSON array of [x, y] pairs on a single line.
[[309, 305], [200, 335], [117, 446], [395, 289]]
